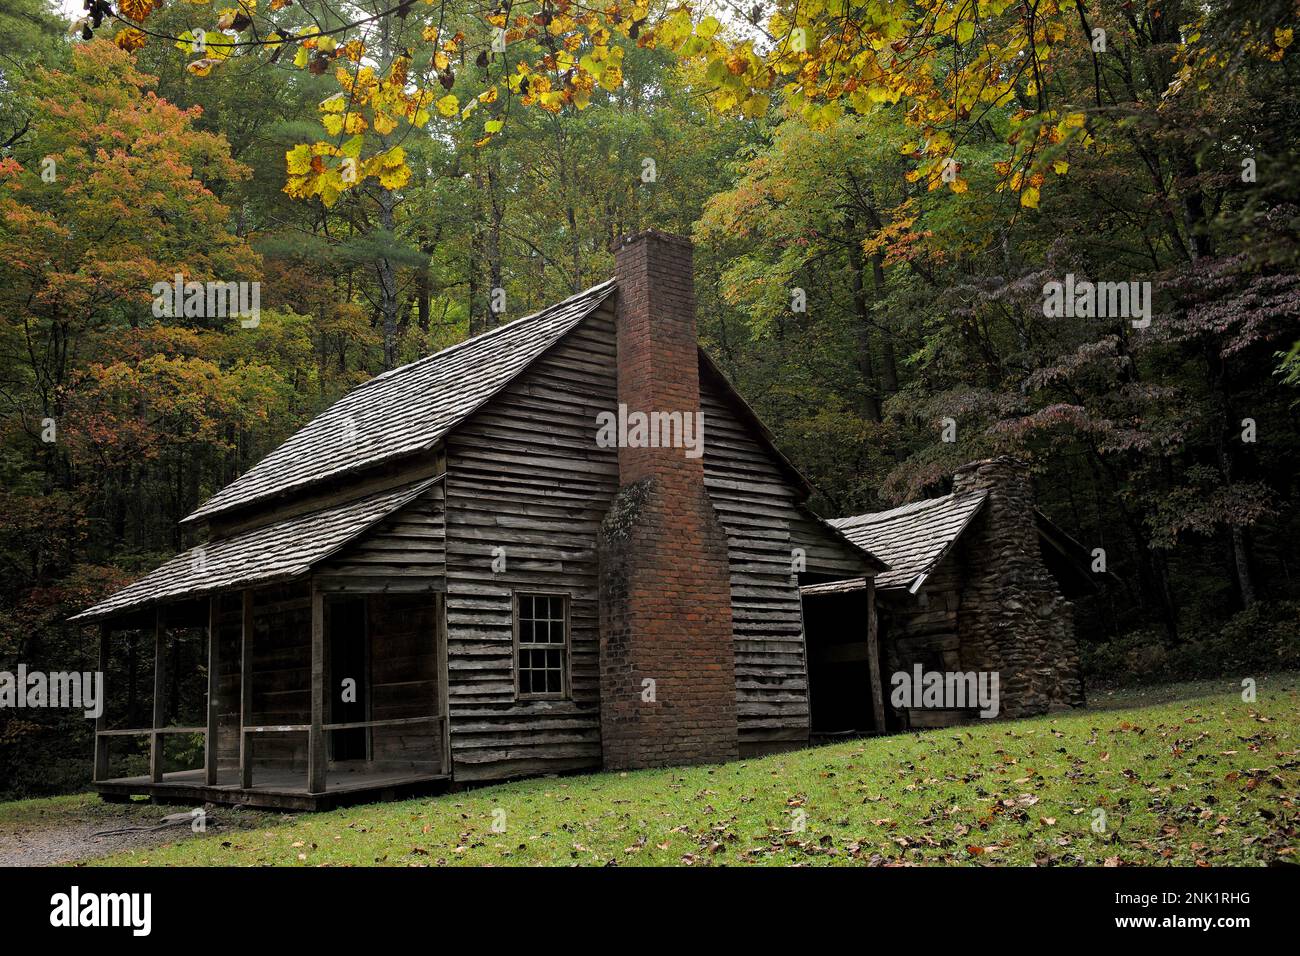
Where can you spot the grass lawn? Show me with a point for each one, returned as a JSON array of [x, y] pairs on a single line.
[[1165, 777]]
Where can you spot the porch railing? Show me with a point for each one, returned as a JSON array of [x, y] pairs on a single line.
[[249, 733], [154, 734]]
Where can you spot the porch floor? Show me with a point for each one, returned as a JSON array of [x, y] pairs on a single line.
[[276, 788]]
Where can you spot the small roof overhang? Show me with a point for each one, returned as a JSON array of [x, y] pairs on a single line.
[[283, 550], [912, 539]]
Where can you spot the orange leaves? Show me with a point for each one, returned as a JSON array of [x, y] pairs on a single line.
[[138, 10]]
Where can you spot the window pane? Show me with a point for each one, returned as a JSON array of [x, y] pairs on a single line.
[[543, 643]]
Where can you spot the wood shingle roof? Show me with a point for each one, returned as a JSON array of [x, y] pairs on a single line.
[[914, 538], [405, 410], [272, 552]]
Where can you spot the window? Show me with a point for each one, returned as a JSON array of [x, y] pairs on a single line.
[[542, 645]]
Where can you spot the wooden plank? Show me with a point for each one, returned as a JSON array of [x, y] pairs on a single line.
[[101, 722], [873, 649], [444, 707], [246, 692], [316, 750], [159, 709], [214, 693]]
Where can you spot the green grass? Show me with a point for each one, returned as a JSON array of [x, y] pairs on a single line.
[[1205, 779]]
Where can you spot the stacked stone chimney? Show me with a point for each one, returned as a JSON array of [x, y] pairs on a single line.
[[667, 663], [1013, 618]]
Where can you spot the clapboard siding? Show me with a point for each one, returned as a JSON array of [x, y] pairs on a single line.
[[760, 510], [410, 543], [524, 474]]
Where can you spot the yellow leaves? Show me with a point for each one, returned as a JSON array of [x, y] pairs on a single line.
[[448, 105], [298, 160], [202, 67], [300, 58], [611, 78], [1060, 167], [441, 61], [128, 39], [1029, 197], [756, 106], [390, 168], [708, 28], [489, 95]]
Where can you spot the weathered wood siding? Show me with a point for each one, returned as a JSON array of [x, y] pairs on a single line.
[[402, 552], [759, 507], [524, 474]]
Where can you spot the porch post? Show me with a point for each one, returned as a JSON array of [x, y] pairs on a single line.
[[159, 697], [316, 755], [873, 655], [246, 693], [214, 694], [101, 722]]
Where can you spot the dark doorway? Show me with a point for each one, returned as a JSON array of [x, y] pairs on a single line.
[[348, 662], [839, 665]]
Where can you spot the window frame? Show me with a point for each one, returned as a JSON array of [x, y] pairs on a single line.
[[565, 649]]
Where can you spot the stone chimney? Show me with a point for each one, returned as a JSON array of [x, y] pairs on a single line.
[[1013, 618], [667, 662]]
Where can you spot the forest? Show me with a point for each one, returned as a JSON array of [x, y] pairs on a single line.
[[900, 209]]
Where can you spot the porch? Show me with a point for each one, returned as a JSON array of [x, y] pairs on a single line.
[[303, 696]]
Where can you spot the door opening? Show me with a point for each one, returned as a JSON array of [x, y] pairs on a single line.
[[840, 671], [349, 672]]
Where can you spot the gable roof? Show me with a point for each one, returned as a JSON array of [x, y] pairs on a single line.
[[914, 538], [272, 552], [407, 409]]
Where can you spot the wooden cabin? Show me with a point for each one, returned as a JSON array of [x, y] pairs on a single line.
[[447, 577], [978, 580]]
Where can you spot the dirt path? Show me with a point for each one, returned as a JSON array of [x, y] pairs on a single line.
[[76, 831]]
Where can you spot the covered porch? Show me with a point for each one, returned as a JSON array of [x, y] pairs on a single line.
[[306, 698], [298, 665]]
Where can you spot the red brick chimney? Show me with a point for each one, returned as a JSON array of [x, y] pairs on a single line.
[[667, 663]]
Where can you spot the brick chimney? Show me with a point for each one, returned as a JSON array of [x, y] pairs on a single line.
[[1013, 618], [667, 662]]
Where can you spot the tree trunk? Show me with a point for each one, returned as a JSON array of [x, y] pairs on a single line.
[[387, 282], [866, 365]]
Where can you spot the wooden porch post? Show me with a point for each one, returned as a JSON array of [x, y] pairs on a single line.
[[873, 654], [101, 722], [246, 693], [442, 680], [316, 755], [214, 693], [159, 697]]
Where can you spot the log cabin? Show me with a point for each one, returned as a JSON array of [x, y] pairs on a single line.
[[448, 577]]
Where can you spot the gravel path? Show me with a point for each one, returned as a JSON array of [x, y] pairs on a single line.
[[69, 834]]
